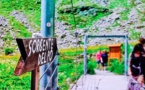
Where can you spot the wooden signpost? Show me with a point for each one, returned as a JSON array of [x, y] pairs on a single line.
[[114, 52], [34, 53]]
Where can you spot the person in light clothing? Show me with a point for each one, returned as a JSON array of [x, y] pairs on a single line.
[[98, 59]]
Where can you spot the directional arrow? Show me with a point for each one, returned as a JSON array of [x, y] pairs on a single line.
[[35, 52]]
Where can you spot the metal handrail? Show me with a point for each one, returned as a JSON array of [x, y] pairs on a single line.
[[51, 77], [48, 67]]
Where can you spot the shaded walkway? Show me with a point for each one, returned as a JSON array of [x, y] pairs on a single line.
[[102, 81]]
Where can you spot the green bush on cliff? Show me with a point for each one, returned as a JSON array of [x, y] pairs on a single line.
[[8, 51]]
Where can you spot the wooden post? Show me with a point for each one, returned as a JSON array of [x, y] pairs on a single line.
[[34, 79], [30, 60]]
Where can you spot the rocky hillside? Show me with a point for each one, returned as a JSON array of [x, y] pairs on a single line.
[[99, 17], [16, 22], [122, 20]]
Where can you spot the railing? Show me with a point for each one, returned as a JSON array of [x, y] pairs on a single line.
[[125, 37], [52, 83], [53, 78]]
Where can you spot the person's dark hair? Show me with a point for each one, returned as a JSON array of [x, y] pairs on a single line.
[[142, 40], [137, 48]]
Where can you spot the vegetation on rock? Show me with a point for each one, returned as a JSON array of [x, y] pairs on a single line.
[[86, 14]]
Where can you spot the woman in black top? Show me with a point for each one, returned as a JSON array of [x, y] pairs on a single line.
[[137, 65], [135, 62]]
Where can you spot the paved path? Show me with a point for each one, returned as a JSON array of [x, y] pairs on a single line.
[[102, 81]]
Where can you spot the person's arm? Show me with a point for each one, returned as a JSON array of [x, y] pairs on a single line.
[[129, 64], [101, 59], [96, 56], [129, 71]]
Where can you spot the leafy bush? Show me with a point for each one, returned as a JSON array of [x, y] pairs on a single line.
[[8, 51], [91, 67], [130, 48], [116, 66]]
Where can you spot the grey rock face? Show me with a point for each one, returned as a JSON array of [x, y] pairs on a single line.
[[6, 34], [104, 26], [67, 39], [141, 7], [36, 35], [101, 2], [4, 28], [3, 21], [22, 19]]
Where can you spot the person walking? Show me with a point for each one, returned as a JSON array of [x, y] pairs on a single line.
[[98, 59], [104, 59], [142, 46], [136, 69]]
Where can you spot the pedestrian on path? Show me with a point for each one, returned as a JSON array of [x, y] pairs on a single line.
[[104, 59], [136, 66], [142, 44], [98, 59]]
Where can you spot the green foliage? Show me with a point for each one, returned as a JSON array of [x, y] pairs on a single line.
[[68, 69], [130, 48], [134, 34], [91, 66], [71, 53], [118, 3], [85, 14], [76, 3], [124, 14], [8, 51], [116, 67], [20, 4], [25, 33], [31, 10], [96, 48], [19, 27], [81, 21], [115, 24], [90, 50], [34, 18], [8, 80], [8, 37], [142, 19]]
